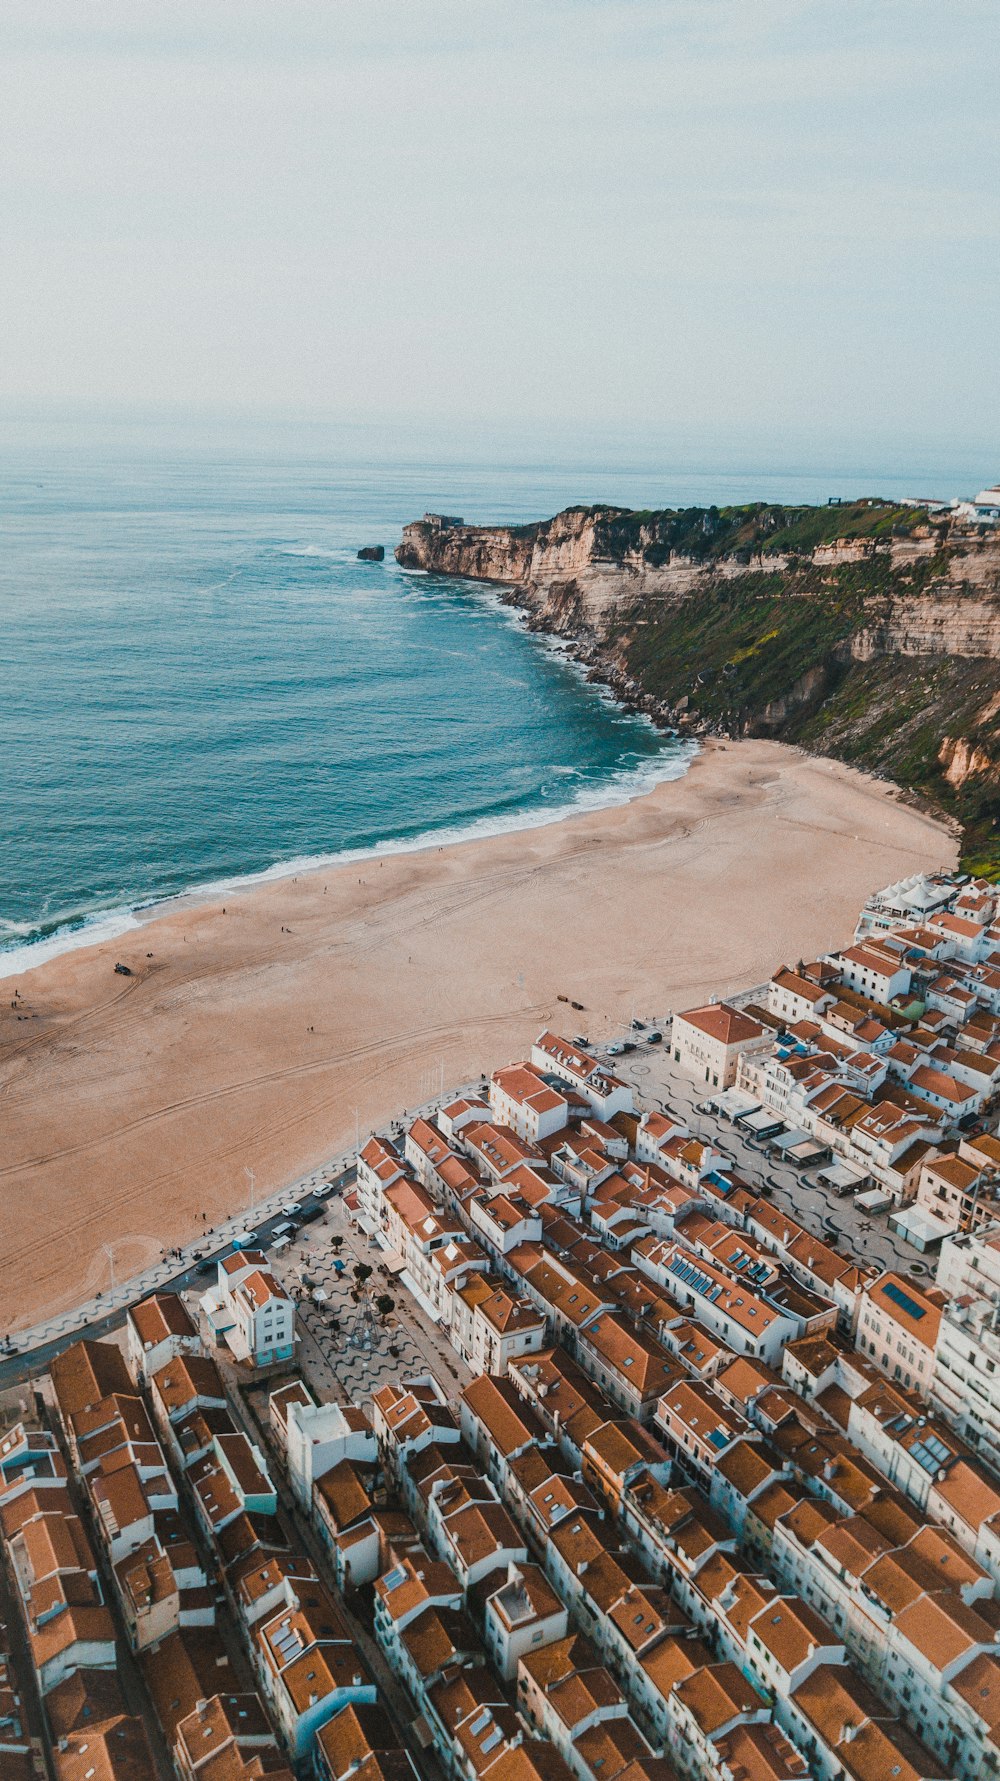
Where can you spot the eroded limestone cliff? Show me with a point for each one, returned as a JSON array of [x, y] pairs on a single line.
[[868, 631]]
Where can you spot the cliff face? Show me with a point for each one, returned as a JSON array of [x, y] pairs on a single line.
[[867, 631]]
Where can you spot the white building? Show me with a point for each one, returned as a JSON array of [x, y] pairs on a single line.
[[158, 1329], [709, 1042], [966, 1385], [897, 1328], [522, 1614], [604, 1093], [318, 1437], [521, 1098], [250, 1312], [875, 971]]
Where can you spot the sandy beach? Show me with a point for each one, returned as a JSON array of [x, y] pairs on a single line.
[[255, 1028]]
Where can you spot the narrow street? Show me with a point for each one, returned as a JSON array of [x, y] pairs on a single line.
[[304, 1537]]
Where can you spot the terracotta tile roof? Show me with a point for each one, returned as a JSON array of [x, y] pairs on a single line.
[[163, 1314], [716, 1694], [720, 1021], [87, 1372]]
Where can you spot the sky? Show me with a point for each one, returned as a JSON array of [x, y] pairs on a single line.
[[716, 219]]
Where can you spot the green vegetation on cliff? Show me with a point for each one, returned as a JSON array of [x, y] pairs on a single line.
[[775, 653], [862, 629], [758, 529]]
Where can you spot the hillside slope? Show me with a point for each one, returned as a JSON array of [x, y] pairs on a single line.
[[867, 631]]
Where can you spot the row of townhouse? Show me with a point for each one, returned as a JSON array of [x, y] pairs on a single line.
[[917, 1615], [735, 1427], [635, 1647], [166, 1605], [691, 1698], [60, 1590], [907, 1021], [537, 1244], [781, 1644], [896, 1437], [306, 1666], [451, 1272], [305, 1662], [792, 1655], [470, 1611]]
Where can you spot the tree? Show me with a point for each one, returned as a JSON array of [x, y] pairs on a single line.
[[383, 1304], [362, 1272], [336, 1243]]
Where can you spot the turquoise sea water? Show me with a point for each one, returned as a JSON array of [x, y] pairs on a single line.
[[199, 682]]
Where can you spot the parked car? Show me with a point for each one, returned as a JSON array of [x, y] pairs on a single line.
[[311, 1213], [654, 1038], [323, 1191], [616, 1049], [626, 1045], [581, 1039], [290, 1207]]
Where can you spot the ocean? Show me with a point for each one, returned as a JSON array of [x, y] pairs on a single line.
[[200, 683]]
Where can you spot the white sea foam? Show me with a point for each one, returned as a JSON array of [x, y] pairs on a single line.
[[104, 924], [619, 788]]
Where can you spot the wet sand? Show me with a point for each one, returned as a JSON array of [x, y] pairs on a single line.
[[265, 1021]]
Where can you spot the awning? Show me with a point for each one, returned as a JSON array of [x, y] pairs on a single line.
[[421, 1297], [798, 1147], [788, 1140], [874, 1200], [919, 1228], [366, 1224], [809, 1152], [839, 1175], [733, 1102], [391, 1262], [763, 1122]]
